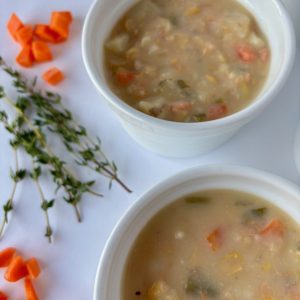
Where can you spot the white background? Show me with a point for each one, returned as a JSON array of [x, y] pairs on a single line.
[[69, 265]]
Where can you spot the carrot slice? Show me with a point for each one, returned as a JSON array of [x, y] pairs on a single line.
[[16, 270], [53, 76], [217, 111], [24, 35], [29, 290], [45, 33], [41, 51], [25, 57], [3, 296], [33, 267], [14, 24], [275, 227], [125, 77], [215, 239], [66, 14], [246, 53], [6, 256], [60, 22]]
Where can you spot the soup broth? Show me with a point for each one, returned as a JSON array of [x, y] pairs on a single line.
[[217, 244], [187, 60]]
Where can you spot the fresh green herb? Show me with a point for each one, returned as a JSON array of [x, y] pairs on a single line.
[[174, 20], [252, 216], [199, 286], [258, 212], [38, 113], [200, 117], [182, 84], [197, 200]]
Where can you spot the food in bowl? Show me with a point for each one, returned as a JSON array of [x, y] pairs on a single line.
[[215, 244], [187, 60]]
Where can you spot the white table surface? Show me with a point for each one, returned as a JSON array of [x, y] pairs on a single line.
[[69, 265]]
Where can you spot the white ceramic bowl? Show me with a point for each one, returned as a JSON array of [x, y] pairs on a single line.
[[270, 187], [188, 139]]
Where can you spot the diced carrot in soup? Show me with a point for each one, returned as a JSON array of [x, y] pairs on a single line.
[[217, 111], [275, 227], [215, 239], [246, 53], [125, 77], [181, 106]]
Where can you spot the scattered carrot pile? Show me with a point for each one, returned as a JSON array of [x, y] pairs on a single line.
[[17, 269], [34, 41]]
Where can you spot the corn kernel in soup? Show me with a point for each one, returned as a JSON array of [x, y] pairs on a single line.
[[217, 244], [187, 60]]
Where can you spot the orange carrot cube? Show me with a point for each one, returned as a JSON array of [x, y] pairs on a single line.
[[14, 24], [25, 57], [41, 51]]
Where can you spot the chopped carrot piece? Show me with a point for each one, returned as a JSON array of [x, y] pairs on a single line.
[[181, 106], [275, 227], [25, 57], [45, 33], [53, 76], [24, 35], [246, 53], [60, 22], [41, 51], [14, 24], [16, 270], [217, 111], [33, 267], [29, 290], [125, 77], [3, 296], [215, 239], [66, 14], [6, 256]]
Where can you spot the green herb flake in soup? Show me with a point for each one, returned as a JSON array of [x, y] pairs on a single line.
[[204, 246], [187, 60]]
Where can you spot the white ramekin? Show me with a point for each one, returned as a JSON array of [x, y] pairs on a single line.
[[272, 188], [293, 7], [174, 139]]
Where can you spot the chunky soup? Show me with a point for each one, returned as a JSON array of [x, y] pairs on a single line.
[[187, 60], [218, 244]]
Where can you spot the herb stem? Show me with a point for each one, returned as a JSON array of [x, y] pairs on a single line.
[[77, 212], [40, 137], [117, 179], [43, 200], [12, 195]]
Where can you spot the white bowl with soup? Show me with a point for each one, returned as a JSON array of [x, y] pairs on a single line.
[[185, 76], [211, 232]]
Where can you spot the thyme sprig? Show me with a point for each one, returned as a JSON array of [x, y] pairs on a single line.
[[52, 115], [38, 113], [45, 205]]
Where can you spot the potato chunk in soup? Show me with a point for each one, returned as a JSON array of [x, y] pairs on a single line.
[[216, 244], [187, 60]]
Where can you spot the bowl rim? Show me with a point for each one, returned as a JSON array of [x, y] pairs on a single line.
[[170, 182], [237, 118]]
